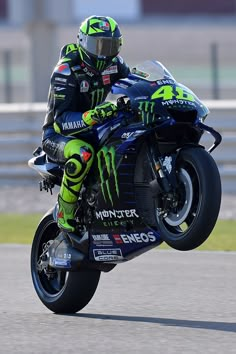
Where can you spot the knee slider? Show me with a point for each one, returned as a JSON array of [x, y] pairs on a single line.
[[80, 158]]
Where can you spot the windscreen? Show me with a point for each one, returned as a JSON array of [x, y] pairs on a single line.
[[151, 70]]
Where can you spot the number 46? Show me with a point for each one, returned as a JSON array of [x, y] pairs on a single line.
[[168, 92]]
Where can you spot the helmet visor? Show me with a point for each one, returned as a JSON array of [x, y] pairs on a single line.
[[102, 46]]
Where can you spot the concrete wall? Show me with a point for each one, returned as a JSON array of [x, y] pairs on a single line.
[[20, 130]]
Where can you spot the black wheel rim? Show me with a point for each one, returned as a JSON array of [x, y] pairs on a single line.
[[48, 281], [181, 218]]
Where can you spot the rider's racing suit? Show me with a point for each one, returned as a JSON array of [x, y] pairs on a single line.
[[75, 88]]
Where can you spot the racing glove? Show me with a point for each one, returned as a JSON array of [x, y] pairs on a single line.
[[99, 113]]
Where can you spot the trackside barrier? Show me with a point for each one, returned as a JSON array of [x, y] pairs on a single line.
[[20, 134]]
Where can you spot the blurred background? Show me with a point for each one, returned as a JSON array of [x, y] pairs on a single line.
[[195, 40]]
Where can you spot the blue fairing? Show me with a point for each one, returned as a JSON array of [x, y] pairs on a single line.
[[152, 82]]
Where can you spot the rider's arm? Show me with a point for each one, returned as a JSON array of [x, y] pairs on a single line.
[[67, 121], [123, 68]]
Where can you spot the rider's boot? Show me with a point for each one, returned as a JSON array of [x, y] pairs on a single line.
[[66, 215]]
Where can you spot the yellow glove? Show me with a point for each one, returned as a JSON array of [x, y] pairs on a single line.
[[99, 113]]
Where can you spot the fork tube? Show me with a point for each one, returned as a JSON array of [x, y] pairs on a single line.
[[157, 166]]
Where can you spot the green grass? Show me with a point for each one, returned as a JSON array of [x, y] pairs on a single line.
[[222, 238], [16, 228]]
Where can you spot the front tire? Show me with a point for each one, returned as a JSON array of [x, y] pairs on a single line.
[[192, 220], [59, 291]]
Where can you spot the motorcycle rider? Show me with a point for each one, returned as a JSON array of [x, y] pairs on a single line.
[[80, 83]]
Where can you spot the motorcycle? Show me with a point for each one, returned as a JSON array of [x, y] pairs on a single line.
[[151, 182]]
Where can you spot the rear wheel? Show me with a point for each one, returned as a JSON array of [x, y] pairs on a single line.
[[195, 205], [60, 291]]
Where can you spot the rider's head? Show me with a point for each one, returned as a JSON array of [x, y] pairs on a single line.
[[99, 41]]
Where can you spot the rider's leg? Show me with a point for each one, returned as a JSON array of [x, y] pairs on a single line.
[[79, 157]]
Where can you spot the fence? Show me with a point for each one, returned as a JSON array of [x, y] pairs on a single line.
[[20, 134]]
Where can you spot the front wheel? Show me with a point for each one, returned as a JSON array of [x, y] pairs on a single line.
[[194, 212], [60, 291]]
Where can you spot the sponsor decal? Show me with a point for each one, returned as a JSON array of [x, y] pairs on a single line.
[[84, 86], [97, 96], [63, 69], [61, 79], [108, 254], [146, 106], [73, 125], [137, 237], [100, 65], [58, 262], [58, 96], [101, 237], [127, 135], [111, 70], [140, 73], [116, 223], [86, 155], [59, 88], [116, 214], [51, 145], [88, 72], [140, 98], [122, 85], [106, 167], [76, 67], [147, 111], [165, 82], [102, 240], [117, 239], [63, 260], [106, 79], [178, 102], [103, 25]]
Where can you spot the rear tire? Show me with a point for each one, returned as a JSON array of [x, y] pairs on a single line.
[[60, 292], [199, 187]]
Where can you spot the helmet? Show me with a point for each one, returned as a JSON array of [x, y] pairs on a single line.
[[99, 40]]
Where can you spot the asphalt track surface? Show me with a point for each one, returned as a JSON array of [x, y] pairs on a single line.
[[161, 302]]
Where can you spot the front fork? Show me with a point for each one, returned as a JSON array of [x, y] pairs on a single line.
[[164, 184]]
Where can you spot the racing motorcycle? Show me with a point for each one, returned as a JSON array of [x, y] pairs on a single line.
[[151, 182]]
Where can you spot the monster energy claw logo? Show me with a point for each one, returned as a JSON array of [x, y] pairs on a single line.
[[100, 64], [97, 97], [147, 111], [106, 170]]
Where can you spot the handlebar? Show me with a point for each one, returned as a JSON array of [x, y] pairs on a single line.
[[122, 104]]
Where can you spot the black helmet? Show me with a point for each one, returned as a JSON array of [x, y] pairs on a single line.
[[99, 40]]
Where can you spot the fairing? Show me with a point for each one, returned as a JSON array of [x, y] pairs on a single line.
[[152, 82]]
